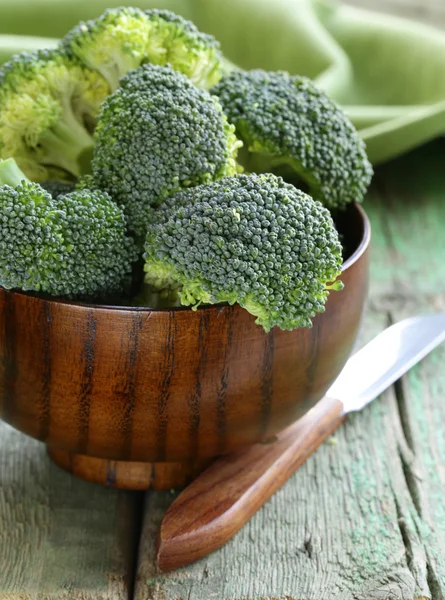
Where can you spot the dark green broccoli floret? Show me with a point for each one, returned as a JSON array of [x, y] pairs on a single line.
[[157, 134], [287, 124], [86, 182], [183, 24], [74, 246], [124, 38], [250, 239], [149, 295], [48, 106], [57, 188]]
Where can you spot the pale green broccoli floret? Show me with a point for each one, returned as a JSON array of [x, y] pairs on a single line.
[[157, 134], [124, 38], [290, 127], [250, 239], [74, 246], [48, 108], [188, 50]]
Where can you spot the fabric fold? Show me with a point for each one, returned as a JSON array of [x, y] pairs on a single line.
[[388, 73]]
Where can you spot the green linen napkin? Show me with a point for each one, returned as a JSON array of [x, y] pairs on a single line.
[[388, 73]]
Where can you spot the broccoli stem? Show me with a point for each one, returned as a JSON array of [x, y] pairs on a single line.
[[68, 145], [118, 66], [10, 174]]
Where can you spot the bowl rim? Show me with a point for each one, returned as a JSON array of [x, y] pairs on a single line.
[[349, 262], [365, 241]]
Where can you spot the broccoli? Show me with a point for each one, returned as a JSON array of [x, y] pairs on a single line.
[[122, 39], [48, 107], [149, 295], [57, 188], [75, 246], [250, 239], [86, 182], [289, 126], [157, 134], [188, 50]]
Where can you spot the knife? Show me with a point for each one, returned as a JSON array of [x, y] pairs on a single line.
[[224, 497]]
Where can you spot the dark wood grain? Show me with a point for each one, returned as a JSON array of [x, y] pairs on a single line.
[[8, 357], [45, 406], [86, 385], [158, 386], [209, 512], [132, 475]]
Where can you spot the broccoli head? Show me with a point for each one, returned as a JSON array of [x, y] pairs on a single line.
[[57, 188], [48, 107], [250, 239], [75, 246], [122, 39], [289, 126], [187, 49], [157, 134]]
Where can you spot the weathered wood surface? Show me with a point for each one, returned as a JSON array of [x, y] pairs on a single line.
[[60, 538], [426, 11], [364, 519]]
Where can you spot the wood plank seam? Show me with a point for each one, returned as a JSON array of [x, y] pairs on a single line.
[[406, 449]]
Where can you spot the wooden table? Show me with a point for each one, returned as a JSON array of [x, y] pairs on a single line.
[[364, 519]]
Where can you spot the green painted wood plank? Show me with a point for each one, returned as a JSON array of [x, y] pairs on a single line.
[[60, 538], [364, 518], [420, 281], [421, 397], [407, 210]]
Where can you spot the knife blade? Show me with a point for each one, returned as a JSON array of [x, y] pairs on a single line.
[[385, 359], [224, 497]]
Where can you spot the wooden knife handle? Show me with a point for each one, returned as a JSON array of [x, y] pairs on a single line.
[[223, 498]]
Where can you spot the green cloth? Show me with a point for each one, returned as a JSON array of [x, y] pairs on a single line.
[[388, 73]]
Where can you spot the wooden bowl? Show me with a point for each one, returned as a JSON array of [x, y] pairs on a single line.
[[138, 398]]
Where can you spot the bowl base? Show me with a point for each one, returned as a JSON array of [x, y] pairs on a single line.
[[127, 475]]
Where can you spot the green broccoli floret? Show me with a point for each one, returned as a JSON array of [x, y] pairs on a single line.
[[75, 246], [86, 182], [122, 39], [250, 239], [157, 134], [149, 295], [188, 50], [57, 188], [289, 126], [48, 107]]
